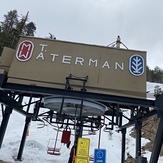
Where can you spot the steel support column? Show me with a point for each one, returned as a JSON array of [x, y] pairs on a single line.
[[138, 127], [80, 122], [123, 145], [159, 135], [27, 122], [4, 123], [157, 143]]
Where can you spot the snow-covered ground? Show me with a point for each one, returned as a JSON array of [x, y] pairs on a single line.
[[35, 150]]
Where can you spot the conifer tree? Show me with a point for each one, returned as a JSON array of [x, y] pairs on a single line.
[[12, 27]]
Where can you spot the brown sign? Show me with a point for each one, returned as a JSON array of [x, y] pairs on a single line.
[[46, 62]]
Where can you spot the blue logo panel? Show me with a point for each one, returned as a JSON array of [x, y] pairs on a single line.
[[136, 65], [99, 156]]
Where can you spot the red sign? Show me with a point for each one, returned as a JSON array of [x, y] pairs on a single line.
[[25, 50], [66, 137]]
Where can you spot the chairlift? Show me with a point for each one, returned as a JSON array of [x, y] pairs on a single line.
[[53, 148]]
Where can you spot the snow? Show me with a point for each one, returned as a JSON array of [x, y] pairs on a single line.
[[35, 150], [150, 86]]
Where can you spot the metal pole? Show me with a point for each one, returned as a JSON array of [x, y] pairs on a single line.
[[55, 144], [138, 127], [4, 123], [99, 138], [27, 122], [80, 122], [123, 145], [157, 143]]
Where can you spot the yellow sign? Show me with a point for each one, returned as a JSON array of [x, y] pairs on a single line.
[[83, 147], [81, 160]]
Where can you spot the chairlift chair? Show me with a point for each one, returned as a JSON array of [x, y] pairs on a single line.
[[52, 147]]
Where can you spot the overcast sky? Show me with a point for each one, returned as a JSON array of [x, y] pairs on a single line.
[[138, 22]]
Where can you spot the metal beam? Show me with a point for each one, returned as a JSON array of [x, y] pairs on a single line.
[[138, 127], [77, 94], [26, 127], [4, 123], [123, 145], [143, 118], [10, 102]]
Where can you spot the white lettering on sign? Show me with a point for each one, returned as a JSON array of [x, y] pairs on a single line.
[[118, 65], [53, 56], [79, 60], [66, 59], [43, 46], [93, 61], [41, 55], [106, 64]]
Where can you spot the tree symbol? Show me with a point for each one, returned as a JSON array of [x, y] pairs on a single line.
[[136, 65]]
